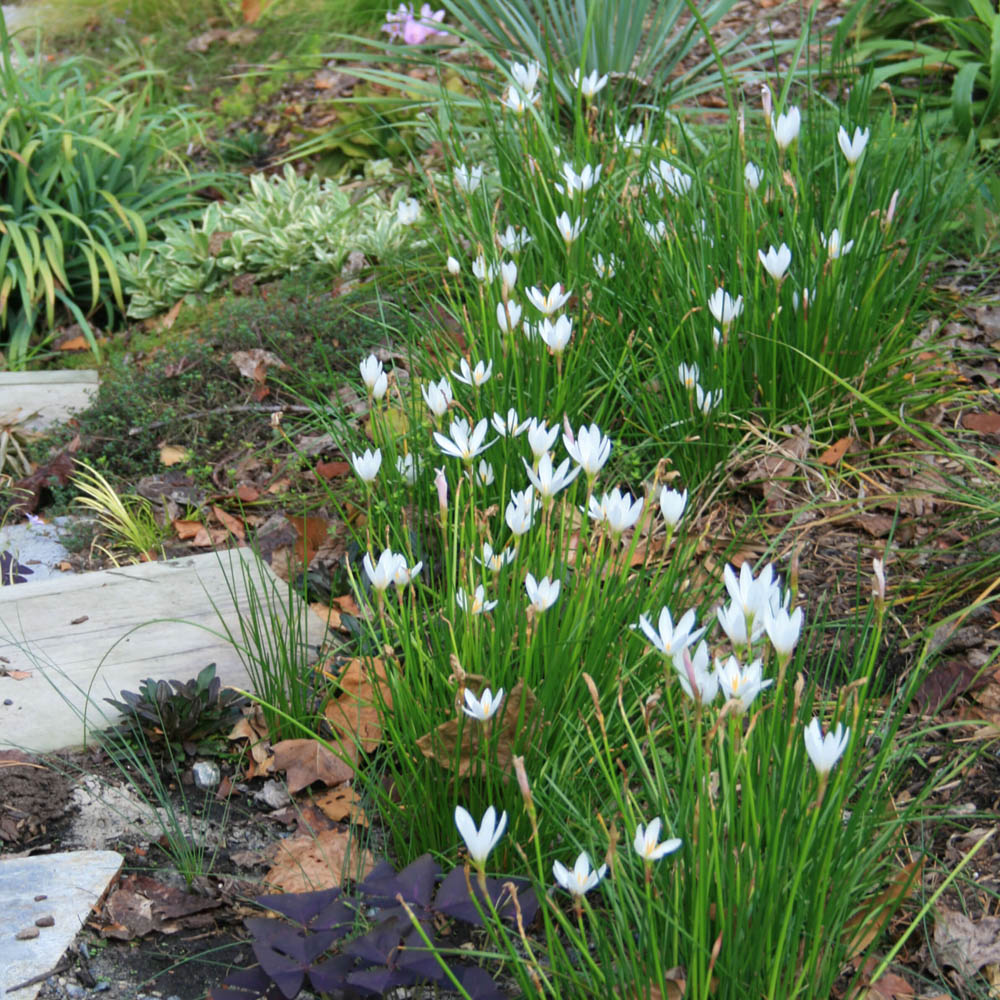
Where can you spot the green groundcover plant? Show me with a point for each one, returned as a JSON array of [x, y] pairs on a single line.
[[88, 167], [282, 224]]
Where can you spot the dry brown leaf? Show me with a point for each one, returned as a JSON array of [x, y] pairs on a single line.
[[247, 493], [442, 744], [305, 761], [874, 915], [173, 454], [230, 523], [253, 728], [75, 344], [305, 864], [354, 713], [186, 529], [332, 470], [944, 684], [342, 803], [836, 451], [984, 423], [312, 532], [253, 364], [251, 10], [888, 986], [964, 944]]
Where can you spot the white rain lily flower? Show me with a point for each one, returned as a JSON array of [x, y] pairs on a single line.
[[508, 316], [520, 511], [733, 620], [382, 573], [374, 378], [753, 175], [484, 474], [482, 271], [656, 231], [852, 148], [541, 593], [688, 374], [825, 751], [453, 266], [741, 683], [555, 335], [408, 466], [590, 84], [473, 376], [406, 574], [508, 274], [706, 401], [616, 509], [783, 629], [647, 845], [833, 245], [672, 505], [516, 102], [786, 127], [632, 137], [495, 561], [548, 480], [408, 211], [581, 879], [511, 425], [605, 270], [526, 76], [541, 439], [569, 229], [512, 240], [475, 605], [464, 443], [590, 449], [724, 307], [467, 180], [581, 182], [368, 464], [485, 706], [437, 396], [668, 638], [664, 174], [776, 262], [752, 594], [480, 841], [530, 330], [548, 302], [698, 682]]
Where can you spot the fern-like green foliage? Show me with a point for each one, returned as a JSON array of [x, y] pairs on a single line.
[[86, 169], [280, 225]]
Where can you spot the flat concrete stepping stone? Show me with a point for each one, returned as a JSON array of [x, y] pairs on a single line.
[[92, 635], [45, 900], [39, 400]]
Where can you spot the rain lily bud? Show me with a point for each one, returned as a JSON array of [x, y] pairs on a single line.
[[766, 101], [878, 587], [441, 485], [453, 266], [508, 275]]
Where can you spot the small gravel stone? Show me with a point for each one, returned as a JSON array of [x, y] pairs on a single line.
[[38, 899], [274, 795], [47, 921], [27, 934], [8, 701], [74, 991], [206, 774]]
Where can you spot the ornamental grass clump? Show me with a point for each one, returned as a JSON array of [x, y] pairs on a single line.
[[684, 750]]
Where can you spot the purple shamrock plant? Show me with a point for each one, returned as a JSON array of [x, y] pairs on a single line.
[[365, 943]]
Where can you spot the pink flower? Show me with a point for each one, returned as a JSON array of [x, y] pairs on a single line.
[[403, 24]]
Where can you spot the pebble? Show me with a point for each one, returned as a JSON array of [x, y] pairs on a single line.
[[27, 934], [206, 774], [8, 701], [74, 992], [47, 921], [273, 794]]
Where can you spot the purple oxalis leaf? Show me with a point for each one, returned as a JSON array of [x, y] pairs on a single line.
[[300, 907]]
